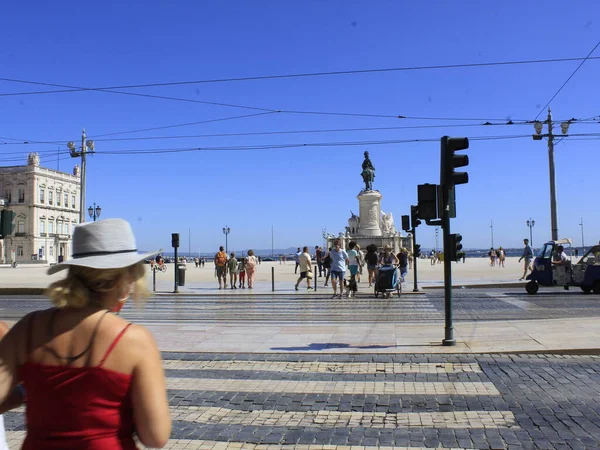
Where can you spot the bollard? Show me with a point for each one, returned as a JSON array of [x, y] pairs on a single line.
[[153, 279], [273, 279], [315, 280]]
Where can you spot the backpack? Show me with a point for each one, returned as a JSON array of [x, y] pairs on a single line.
[[250, 262], [221, 259], [327, 261]]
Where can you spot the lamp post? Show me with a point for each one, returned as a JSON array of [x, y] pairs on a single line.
[[226, 231], [582, 242], [538, 136], [86, 147], [492, 232], [530, 223], [94, 211]]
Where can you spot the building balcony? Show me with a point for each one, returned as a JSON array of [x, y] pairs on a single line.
[[20, 234], [43, 234]]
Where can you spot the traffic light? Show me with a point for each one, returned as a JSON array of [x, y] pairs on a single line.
[[175, 240], [406, 223], [450, 161], [427, 199], [455, 246], [414, 220], [417, 250]]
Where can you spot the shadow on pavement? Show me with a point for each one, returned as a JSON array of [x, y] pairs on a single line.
[[327, 346]]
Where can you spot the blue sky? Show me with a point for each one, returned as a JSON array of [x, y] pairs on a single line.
[[300, 190]]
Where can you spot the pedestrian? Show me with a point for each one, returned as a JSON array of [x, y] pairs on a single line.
[[327, 266], [93, 380], [251, 263], [319, 257], [297, 260], [527, 256], [221, 267], [387, 258], [501, 257], [232, 268], [403, 263], [361, 262], [352, 266], [339, 260], [372, 259], [242, 273], [305, 268], [492, 255]]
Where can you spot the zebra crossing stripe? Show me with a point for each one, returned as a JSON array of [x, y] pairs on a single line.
[[347, 419], [15, 440], [324, 367], [334, 387]]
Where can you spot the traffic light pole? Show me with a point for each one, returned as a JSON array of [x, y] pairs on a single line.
[[449, 324], [415, 258]]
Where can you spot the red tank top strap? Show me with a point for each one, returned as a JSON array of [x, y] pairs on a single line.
[[113, 344]]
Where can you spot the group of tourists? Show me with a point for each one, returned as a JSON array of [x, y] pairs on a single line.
[[240, 271], [336, 262], [497, 256]]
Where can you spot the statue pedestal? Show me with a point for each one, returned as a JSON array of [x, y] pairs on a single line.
[[370, 213]]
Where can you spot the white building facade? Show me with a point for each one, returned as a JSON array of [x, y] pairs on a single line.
[[40, 208]]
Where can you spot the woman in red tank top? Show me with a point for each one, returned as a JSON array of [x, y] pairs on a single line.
[[93, 381]]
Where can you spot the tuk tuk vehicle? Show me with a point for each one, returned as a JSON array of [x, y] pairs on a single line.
[[584, 274]]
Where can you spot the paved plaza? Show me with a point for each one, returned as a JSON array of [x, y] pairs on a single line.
[[256, 369]]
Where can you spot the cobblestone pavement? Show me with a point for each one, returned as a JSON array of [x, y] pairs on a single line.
[[318, 402], [469, 304]]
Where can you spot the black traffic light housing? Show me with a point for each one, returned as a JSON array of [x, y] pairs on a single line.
[[406, 223], [414, 216], [175, 240], [427, 199], [417, 250], [450, 161], [455, 246]]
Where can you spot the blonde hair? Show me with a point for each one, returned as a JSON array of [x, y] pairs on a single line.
[[77, 289]]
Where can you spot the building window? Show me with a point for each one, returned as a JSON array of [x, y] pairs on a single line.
[[43, 251], [58, 199], [42, 192], [51, 250], [73, 201], [21, 226], [50, 197], [51, 227], [42, 226], [66, 203], [59, 225], [21, 195], [66, 228], [20, 250]]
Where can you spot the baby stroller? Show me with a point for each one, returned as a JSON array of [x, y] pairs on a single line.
[[387, 281]]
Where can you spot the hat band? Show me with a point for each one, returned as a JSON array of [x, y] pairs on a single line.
[[83, 255]]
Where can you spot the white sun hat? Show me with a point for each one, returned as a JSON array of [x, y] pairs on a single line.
[[105, 244]]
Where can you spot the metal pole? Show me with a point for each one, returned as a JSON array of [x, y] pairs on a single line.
[[582, 242], [531, 234], [272, 251], [553, 216], [189, 242], [449, 326], [82, 196], [492, 231], [176, 270], [414, 236], [273, 279], [153, 279]]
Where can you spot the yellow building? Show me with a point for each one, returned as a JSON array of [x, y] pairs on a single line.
[[39, 209]]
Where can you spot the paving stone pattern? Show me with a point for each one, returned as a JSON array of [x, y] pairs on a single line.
[[318, 402]]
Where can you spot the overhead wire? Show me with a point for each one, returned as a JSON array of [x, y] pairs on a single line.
[[568, 79]]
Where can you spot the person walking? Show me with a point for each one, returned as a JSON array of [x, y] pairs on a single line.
[[372, 260], [339, 260], [319, 258], [305, 269], [221, 267], [297, 260], [361, 262], [251, 263], [353, 266], [232, 268], [242, 273], [527, 256], [403, 263], [327, 266], [501, 257], [93, 380]]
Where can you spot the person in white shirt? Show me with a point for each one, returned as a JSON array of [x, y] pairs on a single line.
[[305, 263]]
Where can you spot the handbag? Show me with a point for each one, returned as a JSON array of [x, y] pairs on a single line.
[[309, 275]]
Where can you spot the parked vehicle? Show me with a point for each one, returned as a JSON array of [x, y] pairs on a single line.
[[584, 274]]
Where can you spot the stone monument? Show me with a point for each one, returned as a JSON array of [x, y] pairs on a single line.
[[372, 225]]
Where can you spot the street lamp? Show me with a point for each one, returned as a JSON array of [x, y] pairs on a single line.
[[582, 242], [94, 211], [492, 231], [86, 147], [530, 223], [226, 231]]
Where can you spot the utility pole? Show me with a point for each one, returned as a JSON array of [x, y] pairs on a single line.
[[86, 147], [538, 136]]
